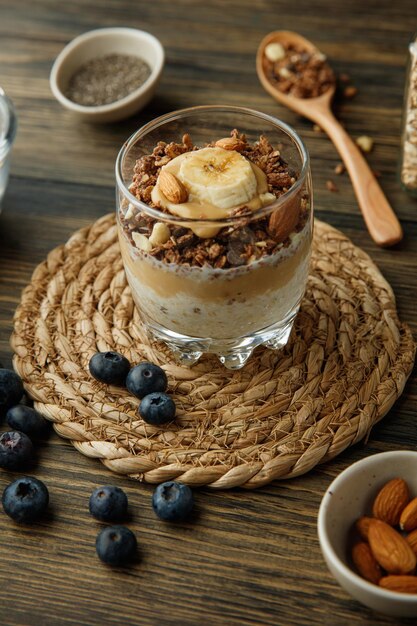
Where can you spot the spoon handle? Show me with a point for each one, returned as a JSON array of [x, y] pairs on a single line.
[[380, 219]]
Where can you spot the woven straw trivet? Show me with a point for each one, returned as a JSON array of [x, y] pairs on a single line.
[[346, 363]]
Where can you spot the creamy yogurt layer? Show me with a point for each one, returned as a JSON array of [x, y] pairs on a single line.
[[207, 302]]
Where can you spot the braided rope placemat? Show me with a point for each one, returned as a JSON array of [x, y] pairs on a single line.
[[346, 363]]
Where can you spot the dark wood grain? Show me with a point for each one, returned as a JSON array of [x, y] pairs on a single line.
[[246, 557]]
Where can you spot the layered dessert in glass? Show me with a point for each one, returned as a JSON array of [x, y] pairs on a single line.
[[215, 228]]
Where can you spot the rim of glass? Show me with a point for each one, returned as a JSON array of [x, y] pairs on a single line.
[[181, 113]]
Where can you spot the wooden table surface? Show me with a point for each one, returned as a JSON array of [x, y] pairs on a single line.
[[249, 557]]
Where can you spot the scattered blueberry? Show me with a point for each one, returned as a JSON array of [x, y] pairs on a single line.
[[25, 419], [116, 545], [109, 367], [25, 499], [172, 501], [108, 503], [146, 378], [16, 450], [157, 408], [11, 389]]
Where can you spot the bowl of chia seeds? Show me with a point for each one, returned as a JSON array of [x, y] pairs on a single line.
[[107, 74]]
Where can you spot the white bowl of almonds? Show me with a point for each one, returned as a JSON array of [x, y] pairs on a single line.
[[107, 74], [367, 527]]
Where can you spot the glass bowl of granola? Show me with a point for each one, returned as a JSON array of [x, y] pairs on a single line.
[[214, 210]]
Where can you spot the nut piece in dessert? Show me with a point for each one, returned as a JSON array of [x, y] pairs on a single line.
[[267, 198], [391, 500], [160, 234], [365, 143], [130, 212], [390, 549], [366, 563], [231, 143], [142, 242], [172, 188], [274, 52], [282, 221]]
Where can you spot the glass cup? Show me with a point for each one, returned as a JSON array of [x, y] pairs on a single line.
[[7, 135], [204, 309]]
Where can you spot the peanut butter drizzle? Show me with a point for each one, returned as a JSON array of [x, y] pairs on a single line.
[[206, 211]]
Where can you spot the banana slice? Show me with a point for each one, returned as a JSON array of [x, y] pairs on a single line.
[[221, 177], [218, 181]]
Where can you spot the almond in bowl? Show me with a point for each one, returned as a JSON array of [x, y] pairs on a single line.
[[382, 552], [367, 527]]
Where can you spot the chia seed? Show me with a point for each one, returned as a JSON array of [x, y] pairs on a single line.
[[107, 79]]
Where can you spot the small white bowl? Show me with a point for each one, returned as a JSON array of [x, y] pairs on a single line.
[[98, 43], [349, 497]]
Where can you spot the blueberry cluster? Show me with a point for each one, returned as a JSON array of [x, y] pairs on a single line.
[[117, 545], [26, 499], [146, 381]]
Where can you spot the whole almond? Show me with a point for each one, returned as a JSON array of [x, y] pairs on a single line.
[[401, 584], [172, 188], [362, 526], [391, 500], [390, 549], [231, 143], [408, 518], [366, 563], [282, 221], [411, 539]]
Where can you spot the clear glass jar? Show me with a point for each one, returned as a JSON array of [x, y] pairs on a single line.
[[8, 125], [408, 164], [209, 309]]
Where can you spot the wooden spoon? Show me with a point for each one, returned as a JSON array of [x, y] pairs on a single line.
[[380, 219]]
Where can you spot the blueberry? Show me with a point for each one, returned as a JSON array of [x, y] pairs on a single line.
[[172, 501], [157, 408], [109, 367], [11, 389], [108, 503], [116, 545], [25, 499], [16, 450], [25, 419], [146, 378]]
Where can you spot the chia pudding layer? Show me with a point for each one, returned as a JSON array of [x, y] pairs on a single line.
[[234, 278]]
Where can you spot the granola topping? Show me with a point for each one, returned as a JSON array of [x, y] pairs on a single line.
[[241, 243]]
